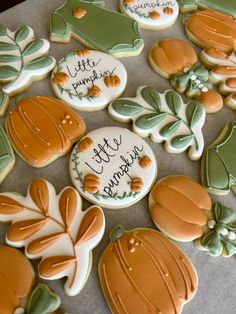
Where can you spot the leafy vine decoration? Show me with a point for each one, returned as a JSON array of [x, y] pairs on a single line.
[[165, 117], [42, 219]]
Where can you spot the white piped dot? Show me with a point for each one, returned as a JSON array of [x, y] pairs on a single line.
[[204, 89], [224, 232], [211, 224], [231, 235], [193, 77]]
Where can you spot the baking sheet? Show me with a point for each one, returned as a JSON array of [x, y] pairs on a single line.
[[217, 276]]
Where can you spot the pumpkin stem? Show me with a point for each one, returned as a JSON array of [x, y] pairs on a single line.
[[116, 233]]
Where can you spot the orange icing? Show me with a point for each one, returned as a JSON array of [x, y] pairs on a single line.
[[145, 162], [42, 128], [215, 53], [85, 144], [177, 207], [16, 279], [144, 272], [213, 29], [79, 13], [168, 11], [60, 78], [94, 91], [112, 81], [83, 53], [154, 15], [211, 100], [225, 70], [136, 184], [231, 82], [173, 55], [91, 183]]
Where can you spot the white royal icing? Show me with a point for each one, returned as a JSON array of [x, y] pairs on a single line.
[[114, 159], [87, 71], [151, 14]]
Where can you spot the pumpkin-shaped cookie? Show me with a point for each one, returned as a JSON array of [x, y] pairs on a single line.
[[16, 279], [141, 271], [178, 206], [43, 128]]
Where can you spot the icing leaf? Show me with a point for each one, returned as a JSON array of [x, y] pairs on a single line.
[[21, 34], [51, 266], [126, 107], [24, 229], [33, 46], [211, 242], [8, 206], [229, 246], [4, 100], [58, 26], [42, 301], [182, 141], [40, 195], [194, 112], [152, 97], [173, 101], [7, 46], [7, 72], [149, 120], [224, 214], [9, 58], [3, 30], [39, 63], [68, 205], [170, 128], [91, 224], [41, 244]]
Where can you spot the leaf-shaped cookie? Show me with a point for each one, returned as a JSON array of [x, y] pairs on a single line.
[[55, 229], [22, 33], [165, 118], [40, 195]]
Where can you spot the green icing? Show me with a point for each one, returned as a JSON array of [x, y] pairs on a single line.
[[219, 163], [39, 63], [185, 83], [32, 47], [116, 233], [21, 34], [150, 109], [100, 28], [42, 301], [217, 238], [4, 101], [225, 6], [7, 156]]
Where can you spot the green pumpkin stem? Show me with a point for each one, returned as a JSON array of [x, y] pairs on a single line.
[[116, 233]]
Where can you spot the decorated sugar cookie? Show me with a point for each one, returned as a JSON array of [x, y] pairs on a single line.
[[165, 118], [55, 229], [41, 129], [209, 28], [228, 7], [223, 72], [220, 155], [182, 210], [154, 14], [7, 156], [23, 59], [88, 80], [112, 167], [96, 28], [177, 60], [168, 282]]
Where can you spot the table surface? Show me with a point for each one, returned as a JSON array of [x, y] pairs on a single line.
[[217, 276]]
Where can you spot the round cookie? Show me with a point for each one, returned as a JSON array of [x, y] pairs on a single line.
[[41, 129], [142, 271], [154, 14], [54, 228], [88, 80], [112, 167]]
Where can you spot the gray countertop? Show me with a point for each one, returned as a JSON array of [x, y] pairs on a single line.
[[217, 276]]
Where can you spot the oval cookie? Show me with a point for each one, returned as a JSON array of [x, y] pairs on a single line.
[[88, 80], [43, 128], [151, 14], [109, 170], [142, 271]]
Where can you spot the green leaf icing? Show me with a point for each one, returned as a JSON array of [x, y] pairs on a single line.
[[221, 235], [4, 101], [228, 7], [42, 301], [7, 72], [7, 47], [220, 156], [165, 118], [193, 112], [32, 47], [7, 157], [173, 101], [21, 34], [121, 35], [9, 58], [39, 63]]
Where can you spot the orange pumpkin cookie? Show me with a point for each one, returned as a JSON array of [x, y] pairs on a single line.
[[176, 60], [141, 271], [41, 129], [16, 279]]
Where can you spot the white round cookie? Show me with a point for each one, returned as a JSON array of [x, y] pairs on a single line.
[[112, 167], [88, 80], [151, 14]]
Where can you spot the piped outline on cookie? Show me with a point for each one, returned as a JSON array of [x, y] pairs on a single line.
[[88, 80], [54, 228], [165, 118]]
